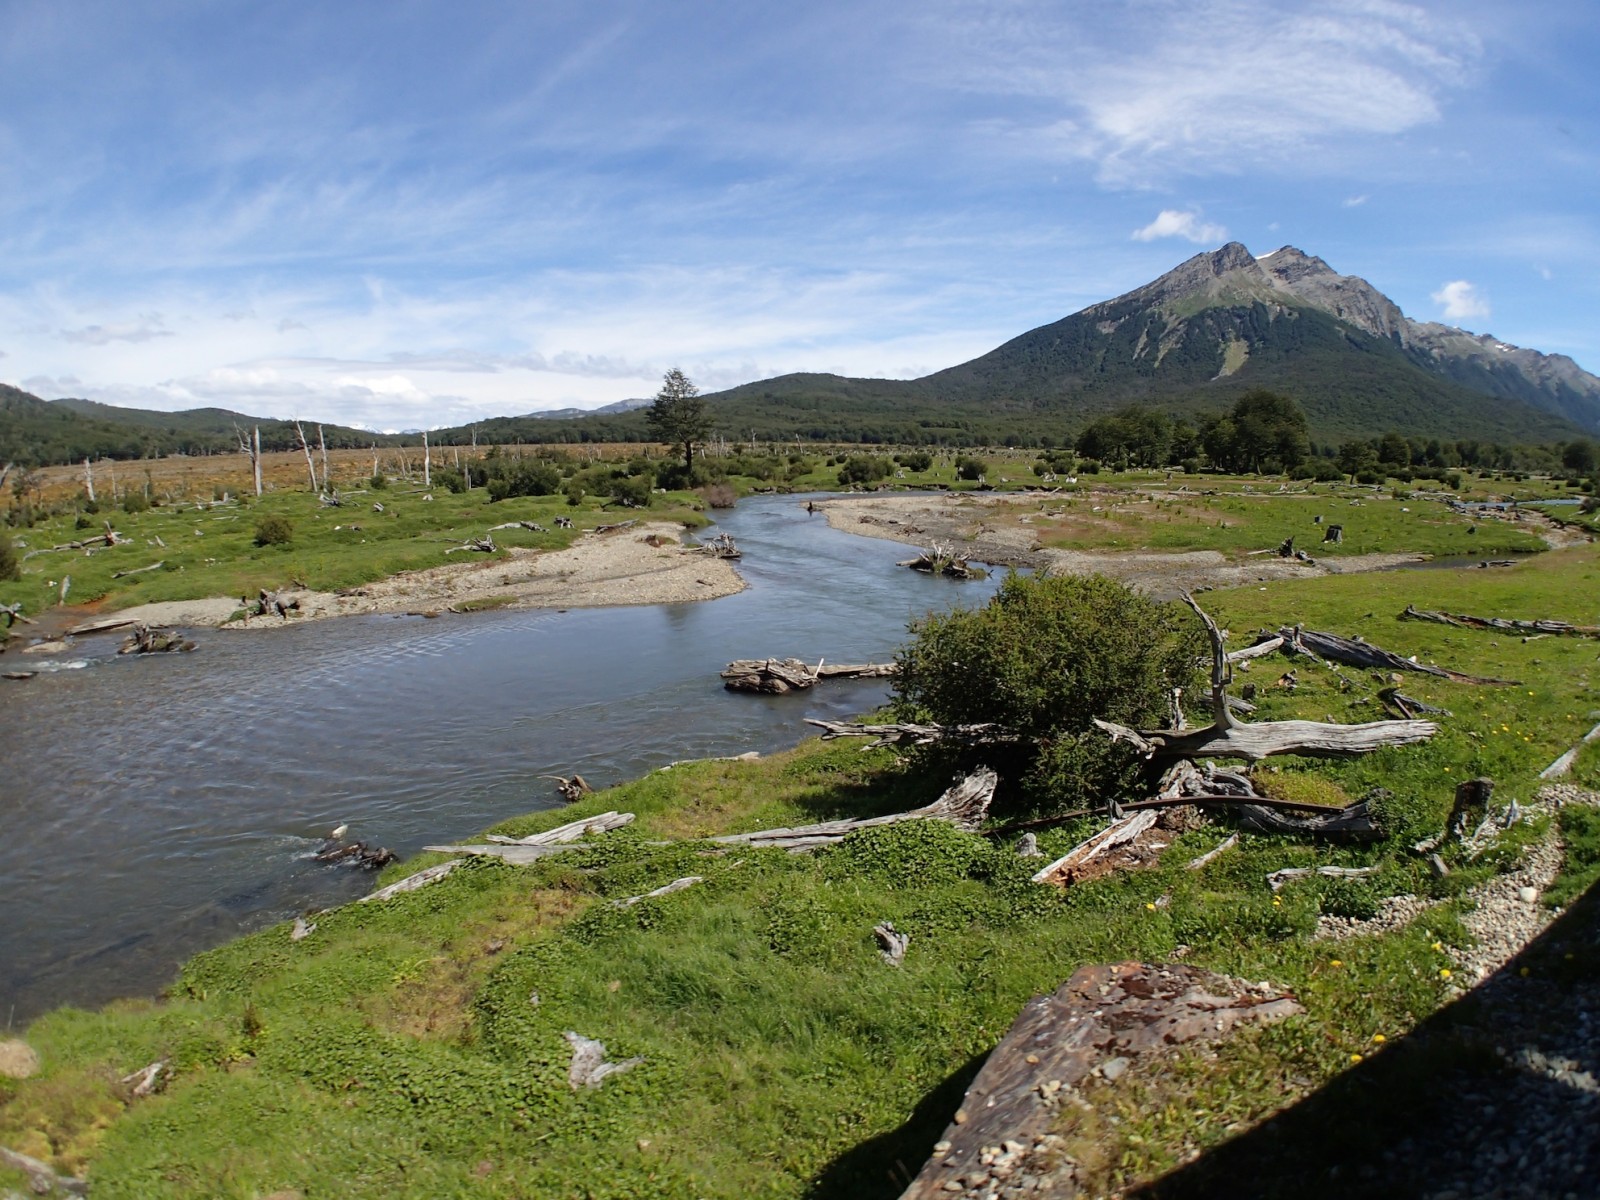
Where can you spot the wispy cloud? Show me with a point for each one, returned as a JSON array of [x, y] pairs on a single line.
[[145, 329], [1171, 222], [1354, 201], [1459, 300]]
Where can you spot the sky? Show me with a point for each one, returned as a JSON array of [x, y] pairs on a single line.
[[416, 213]]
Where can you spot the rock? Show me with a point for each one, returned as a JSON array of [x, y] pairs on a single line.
[[1527, 894], [18, 1060], [1115, 1069]]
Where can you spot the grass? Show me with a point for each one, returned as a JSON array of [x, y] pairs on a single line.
[[399, 1050]]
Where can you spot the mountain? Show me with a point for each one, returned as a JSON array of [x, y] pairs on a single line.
[[1192, 341]]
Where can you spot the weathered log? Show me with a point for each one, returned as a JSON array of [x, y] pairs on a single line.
[[1194, 864], [13, 613], [1470, 807], [1263, 814], [570, 790], [939, 559], [1357, 653], [1564, 763], [1408, 706], [143, 639], [721, 546], [1263, 647], [1277, 879], [41, 1178], [570, 832], [666, 889], [905, 733], [1310, 739], [1502, 624], [964, 805], [483, 545], [780, 676], [145, 1079], [1066, 869], [618, 525], [139, 570], [414, 881], [532, 526]]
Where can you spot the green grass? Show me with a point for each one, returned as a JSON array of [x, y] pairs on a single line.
[[397, 1050], [210, 550]]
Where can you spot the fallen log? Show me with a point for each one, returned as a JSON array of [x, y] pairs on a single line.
[[274, 602], [570, 832], [666, 889], [1357, 653], [1502, 624], [964, 805], [1066, 869], [939, 559], [41, 1179], [143, 639], [13, 614], [570, 790], [778, 676], [483, 545], [721, 546], [1264, 814], [1263, 647], [589, 1067], [414, 881], [614, 527], [1408, 706], [1564, 764], [1277, 879], [905, 733], [139, 570], [1194, 864]]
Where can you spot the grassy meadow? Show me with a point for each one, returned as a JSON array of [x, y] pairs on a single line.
[[414, 1047]]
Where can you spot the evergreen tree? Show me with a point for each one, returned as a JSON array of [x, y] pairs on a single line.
[[678, 416]]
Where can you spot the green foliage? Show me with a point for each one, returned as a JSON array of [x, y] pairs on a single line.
[[1580, 836], [10, 564], [970, 468], [521, 477], [863, 468], [274, 530], [678, 415], [378, 482], [1263, 431], [916, 460], [135, 502], [631, 491], [1043, 658]]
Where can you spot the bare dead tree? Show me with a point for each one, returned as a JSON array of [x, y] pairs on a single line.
[[305, 446]]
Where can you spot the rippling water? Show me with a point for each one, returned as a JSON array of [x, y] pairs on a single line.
[[156, 806]]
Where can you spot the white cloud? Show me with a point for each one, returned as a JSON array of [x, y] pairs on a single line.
[[1172, 223], [144, 329], [1460, 300], [1355, 201]]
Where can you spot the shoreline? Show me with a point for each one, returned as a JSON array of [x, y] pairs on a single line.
[[643, 564]]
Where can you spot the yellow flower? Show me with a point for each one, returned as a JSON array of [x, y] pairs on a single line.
[[1438, 945], [1379, 1038], [1447, 768], [1151, 907], [1444, 972], [1355, 1058], [1335, 963]]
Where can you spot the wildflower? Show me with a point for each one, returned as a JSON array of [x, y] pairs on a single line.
[[1438, 945], [1355, 1058], [1335, 963], [1151, 907], [1444, 972], [1379, 1038]]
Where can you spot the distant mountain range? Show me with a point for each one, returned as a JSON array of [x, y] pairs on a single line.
[[1222, 323]]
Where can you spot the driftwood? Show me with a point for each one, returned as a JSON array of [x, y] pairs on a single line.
[[939, 559], [902, 733], [1229, 738], [1194, 864], [589, 1067], [274, 602], [1408, 706], [109, 538], [1357, 653], [1564, 764], [13, 613], [964, 805], [666, 889], [1066, 869], [1277, 879], [302, 929], [572, 789], [1262, 814], [570, 832], [1502, 624], [483, 545], [146, 1079], [41, 1179], [777, 676], [139, 570], [1263, 647], [143, 639], [721, 546], [533, 526], [356, 854], [414, 881], [618, 525]]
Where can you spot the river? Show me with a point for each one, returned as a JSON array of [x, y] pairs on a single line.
[[154, 806]]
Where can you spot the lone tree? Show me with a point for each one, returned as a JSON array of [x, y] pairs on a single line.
[[678, 416]]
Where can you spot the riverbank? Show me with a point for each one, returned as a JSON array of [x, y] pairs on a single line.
[[425, 1037], [646, 563]]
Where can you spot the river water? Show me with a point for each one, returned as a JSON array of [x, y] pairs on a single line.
[[155, 806]]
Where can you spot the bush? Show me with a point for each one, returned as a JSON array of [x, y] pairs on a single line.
[[135, 502], [274, 530], [970, 468], [378, 482], [719, 495], [1043, 659], [916, 460], [863, 468], [10, 565], [631, 491], [523, 479]]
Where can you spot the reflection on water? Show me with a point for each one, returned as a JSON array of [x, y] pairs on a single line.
[[154, 806]]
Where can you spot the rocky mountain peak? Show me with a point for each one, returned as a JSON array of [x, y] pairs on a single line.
[[1289, 264]]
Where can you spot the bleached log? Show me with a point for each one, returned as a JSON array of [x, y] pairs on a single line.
[[891, 943], [570, 790], [1277, 879], [570, 832], [412, 882], [13, 613], [1502, 624], [906, 733], [666, 889], [41, 1178], [1310, 739], [145, 1079], [139, 570], [1357, 653], [1194, 864], [1564, 764], [964, 805], [1257, 651], [778, 676], [1064, 870], [302, 929]]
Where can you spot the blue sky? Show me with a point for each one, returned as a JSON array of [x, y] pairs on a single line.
[[418, 213]]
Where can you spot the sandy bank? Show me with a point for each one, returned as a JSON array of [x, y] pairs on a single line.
[[979, 526], [597, 570]]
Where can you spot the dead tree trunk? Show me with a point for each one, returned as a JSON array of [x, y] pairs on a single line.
[[305, 447], [1505, 625], [1229, 738], [427, 462], [88, 480], [1470, 807], [322, 444], [1357, 653], [778, 676]]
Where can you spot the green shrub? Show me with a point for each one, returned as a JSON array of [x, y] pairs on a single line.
[[274, 530], [631, 491], [10, 565], [378, 482], [522, 478], [916, 460], [135, 502], [970, 468], [863, 468], [1043, 659]]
